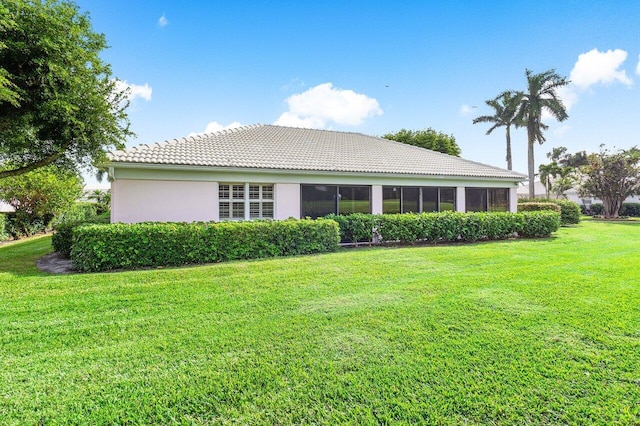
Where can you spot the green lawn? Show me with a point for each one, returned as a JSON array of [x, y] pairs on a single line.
[[514, 332]]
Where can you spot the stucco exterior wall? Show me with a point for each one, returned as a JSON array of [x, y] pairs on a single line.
[[175, 194], [163, 201], [287, 200]]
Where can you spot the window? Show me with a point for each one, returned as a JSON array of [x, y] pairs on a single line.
[[429, 200], [406, 199], [391, 199], [321, 200], [238, 199], [498, 200], [483, 199], [354, 199], [475, 200], [447, 201], [410, 200]]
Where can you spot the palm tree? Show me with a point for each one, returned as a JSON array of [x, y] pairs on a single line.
[[505, 107], [547, 173], [541, 96]]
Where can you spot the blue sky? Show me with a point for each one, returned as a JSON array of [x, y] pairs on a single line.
[[374, 66]]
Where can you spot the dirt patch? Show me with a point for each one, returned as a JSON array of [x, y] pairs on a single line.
[[54, 263]]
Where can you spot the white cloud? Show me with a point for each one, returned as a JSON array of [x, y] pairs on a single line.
[[163, 21], [135, 90], [466, 109], [214, 126], [323, 103], [592, 68], [596, 67], [638, 66], [568, 95]]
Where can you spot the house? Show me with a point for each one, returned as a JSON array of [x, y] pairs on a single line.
[[6, 208], [572, 194], [275, 172]]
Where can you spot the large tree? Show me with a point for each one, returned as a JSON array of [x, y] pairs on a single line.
[[541, 96], [505, 109], [611, 177], [58, 100], [428, 138]]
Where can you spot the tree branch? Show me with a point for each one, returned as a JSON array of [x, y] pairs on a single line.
[[32, 166]]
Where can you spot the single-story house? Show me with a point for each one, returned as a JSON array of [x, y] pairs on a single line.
[[571, 195], [275, 172]]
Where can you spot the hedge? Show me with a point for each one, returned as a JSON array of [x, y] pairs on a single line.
[[627, 209], [125, 246], [445, 226], [62, 238], [569, 211]]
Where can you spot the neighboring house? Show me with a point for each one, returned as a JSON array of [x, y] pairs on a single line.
[[274, 172], [571, 195], [5, 208]]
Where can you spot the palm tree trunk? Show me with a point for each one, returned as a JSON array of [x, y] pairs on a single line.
[[532, 171], [509, 163]]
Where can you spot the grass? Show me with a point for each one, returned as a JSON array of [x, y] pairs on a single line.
[[513, 332]]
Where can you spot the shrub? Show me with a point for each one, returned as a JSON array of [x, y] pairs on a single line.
[[536, 207], [570, 214], [450, 226], [627, 209], [62, 238], [539, 224], [118, 246], [569, 211], [78, 212]]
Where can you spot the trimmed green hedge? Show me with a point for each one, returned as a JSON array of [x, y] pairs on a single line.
[[445, 226], [627, 209], [569, 211], [536, 207], [62, 238], [126, 246]]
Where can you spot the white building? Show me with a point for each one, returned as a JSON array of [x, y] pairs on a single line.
[[267, 171]]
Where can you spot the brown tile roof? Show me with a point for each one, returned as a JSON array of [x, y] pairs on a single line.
[[287, 148]]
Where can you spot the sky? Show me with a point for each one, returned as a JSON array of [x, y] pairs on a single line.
[[374, 67]]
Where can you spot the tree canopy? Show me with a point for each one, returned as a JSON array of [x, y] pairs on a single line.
[[41, 194], [611, 177], [505, 108], [58, 100], [428, 138]]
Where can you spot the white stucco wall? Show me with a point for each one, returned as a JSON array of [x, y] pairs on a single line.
[[162, 201], [513, 200], [376, 199], [461, 199], [175, 194], [287, 200]]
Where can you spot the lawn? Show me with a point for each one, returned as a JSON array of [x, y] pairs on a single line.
[[513, 332]]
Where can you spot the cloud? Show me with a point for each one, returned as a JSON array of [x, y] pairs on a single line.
[[595, 67], [163, 21], [322, 104], [135, 90], [568, 95], [466, 109], [214, 126], [638, 66]]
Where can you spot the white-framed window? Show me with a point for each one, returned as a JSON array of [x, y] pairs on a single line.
[[239, 201]]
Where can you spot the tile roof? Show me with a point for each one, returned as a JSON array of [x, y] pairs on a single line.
[[286, 148]]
